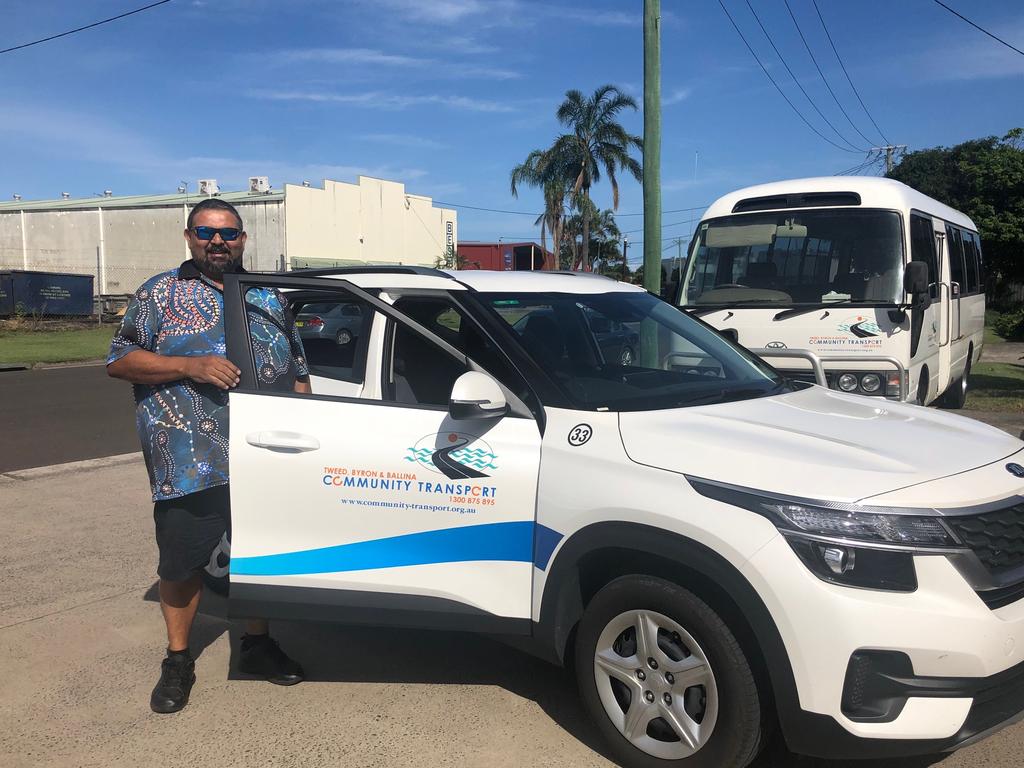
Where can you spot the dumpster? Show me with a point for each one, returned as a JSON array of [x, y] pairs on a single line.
[[44, 293]]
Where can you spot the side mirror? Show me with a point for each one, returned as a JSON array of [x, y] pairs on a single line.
[[476, 396], [915, 282]]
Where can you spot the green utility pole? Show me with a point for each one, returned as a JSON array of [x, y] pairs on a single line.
[[652, 146]]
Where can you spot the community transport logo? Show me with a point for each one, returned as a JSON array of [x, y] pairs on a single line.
[[455, 455]]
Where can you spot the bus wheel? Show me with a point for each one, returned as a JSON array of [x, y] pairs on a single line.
[[922, 387], [956, 395]]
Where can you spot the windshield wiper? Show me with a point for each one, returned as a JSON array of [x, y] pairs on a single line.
[[693, 309], [804, 310], [736, 394]]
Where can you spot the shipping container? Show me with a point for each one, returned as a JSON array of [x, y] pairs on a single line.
[[45, 293], [505, 256]]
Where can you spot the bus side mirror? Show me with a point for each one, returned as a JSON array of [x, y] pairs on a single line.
[[915, 282]]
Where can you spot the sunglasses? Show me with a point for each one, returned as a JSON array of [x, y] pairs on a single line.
[[226, 233]]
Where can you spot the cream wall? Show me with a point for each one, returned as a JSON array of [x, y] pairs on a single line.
[[371, 222]]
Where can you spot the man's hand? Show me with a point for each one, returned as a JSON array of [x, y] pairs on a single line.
[[211, 369]]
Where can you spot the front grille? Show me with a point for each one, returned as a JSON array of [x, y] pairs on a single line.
[[997, 538]]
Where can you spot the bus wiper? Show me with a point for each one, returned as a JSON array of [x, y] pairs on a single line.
[[804, 310], [693, 309]]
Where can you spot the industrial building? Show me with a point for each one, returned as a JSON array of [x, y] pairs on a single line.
[[125, 240]]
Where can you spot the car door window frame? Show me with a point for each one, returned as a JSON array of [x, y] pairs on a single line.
[[236, 333], [468, 312]]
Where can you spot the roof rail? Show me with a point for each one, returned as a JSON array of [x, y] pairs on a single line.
[[372, 270], [575, 273]]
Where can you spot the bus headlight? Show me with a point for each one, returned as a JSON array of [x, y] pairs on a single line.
[[870, 382], [848, 382]]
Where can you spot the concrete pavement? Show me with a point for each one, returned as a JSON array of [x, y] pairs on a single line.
[[81, 639]]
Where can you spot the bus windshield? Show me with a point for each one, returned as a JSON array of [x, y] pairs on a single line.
[[786, 258]]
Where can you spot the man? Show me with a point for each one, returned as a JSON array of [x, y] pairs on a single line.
[[171, 347]]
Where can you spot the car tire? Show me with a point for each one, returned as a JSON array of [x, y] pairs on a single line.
[[627, 357], [955, 397], [343, 337], [712, 694]]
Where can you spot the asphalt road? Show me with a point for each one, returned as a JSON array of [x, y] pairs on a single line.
[[81, 640], [56, 415]]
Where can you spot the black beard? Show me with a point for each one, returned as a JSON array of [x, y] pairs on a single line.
[[214, 271]]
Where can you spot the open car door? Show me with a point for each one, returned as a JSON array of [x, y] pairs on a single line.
[[351, 505]]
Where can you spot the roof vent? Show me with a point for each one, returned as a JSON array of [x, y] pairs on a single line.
[[208, 187], [305, 183], [108, 193], [17, 196], [259, 185], [65, 195], [182, 189]]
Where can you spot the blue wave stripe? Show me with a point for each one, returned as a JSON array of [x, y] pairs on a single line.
[[492, 541]]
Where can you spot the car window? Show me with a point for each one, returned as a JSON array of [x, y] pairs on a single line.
[[424, 374], [334, 335], [684, 363]]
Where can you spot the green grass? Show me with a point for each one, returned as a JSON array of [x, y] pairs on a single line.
[[27, 346], [990, 335], [996, 387]]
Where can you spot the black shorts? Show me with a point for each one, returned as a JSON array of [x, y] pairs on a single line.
[[188, 530]]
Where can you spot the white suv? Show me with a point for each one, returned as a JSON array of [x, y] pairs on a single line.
[[715, 550]]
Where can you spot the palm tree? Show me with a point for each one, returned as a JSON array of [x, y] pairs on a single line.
[[594, 143], [604, 233], [532, 173]]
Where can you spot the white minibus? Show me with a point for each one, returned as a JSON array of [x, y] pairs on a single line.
[[862, 284]]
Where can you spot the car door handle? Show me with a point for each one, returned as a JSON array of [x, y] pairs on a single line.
[[287, 442]]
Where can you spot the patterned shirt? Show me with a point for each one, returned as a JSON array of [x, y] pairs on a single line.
[[183, 425]]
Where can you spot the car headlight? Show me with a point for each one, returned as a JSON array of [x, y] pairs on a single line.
[[868, 548]]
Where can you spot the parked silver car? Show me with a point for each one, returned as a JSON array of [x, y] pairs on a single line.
[[339, 321]]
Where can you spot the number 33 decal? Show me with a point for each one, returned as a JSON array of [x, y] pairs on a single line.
[[580, 434]]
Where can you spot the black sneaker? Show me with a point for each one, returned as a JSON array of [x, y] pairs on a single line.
[[261, 655], [177, 674]]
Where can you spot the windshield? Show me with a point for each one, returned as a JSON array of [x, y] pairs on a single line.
[[790, 258], [630, 351]]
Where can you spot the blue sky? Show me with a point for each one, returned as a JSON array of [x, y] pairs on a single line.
[[447, 95]]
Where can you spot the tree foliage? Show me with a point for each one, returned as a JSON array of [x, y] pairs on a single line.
[[984, 178]]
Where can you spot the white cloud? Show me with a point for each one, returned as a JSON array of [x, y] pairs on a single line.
[[83, 137], [380, 100], [403, 140], [376, 58], [348, 56], [447, 11], [677, 95]]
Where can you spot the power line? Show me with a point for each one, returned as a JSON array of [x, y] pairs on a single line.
[[87, 26], [848, 78], [535, 214], [778, 87], [823, 78], [489, 210], [980, 29], [797, 81]]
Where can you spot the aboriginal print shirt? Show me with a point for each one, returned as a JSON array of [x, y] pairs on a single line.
[[183, 425]]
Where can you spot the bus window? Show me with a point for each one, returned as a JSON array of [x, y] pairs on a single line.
[[922, 248], [956, 256], [971, 259]]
